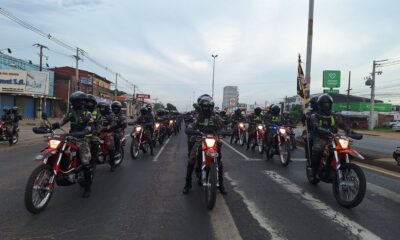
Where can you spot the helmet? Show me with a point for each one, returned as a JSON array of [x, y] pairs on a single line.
[[116, 107], [160, 112], [206, 104], [275, 109], [313, 103], [149, 108], [204, 95], [91, 102], [257, 110], [104, 108], [78, 100], [222, 113], [324, 104], [143, 110], [6, 109], [238, 111], [14, 110]]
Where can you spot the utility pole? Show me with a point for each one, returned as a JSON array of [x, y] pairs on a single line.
[[40, 69], [309, 48], [116, 85], [213, 56], [77, 58], [348, 93]]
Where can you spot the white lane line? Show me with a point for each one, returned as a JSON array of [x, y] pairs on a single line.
[[384, 192], [241, 154], [256, 212], [298, 159], [223, 225], [354, 228], [159, 152], [127, 135]]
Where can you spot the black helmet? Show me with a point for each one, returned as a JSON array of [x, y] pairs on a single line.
[[104, 108], [313, 103], [116, 107], [206, 105], [238, 111], [78, 100], [222, 113], [160, 112], [6, 109], [204, 95], [257, 110], [14, 109], [196, 106], [91, 102], [143, 110], [324, 104], [149, 108], [275, 109]]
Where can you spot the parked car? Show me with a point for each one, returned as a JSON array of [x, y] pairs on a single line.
[[391, 123], [396, 127]]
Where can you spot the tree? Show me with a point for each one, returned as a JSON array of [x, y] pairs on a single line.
[[171, 107], [158, 106], [296, 112]]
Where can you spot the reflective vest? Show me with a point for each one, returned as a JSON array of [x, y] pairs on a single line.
[[327, 121]]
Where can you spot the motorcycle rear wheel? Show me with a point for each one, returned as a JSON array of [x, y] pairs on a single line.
[[359, 182], [211, 186], [311, 179], [36, 197]]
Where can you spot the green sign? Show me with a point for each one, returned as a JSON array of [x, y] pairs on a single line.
[[331, 79], [362, 107], [329, 91]]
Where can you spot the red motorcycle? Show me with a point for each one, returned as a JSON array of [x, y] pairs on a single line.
[[259, 138], [107, 140], [348, 180], [280, 145], [240, 135], [60, 164], [139, 141], [8, 135]]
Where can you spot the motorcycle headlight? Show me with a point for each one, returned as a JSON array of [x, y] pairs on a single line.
[[53, 143], [344, 143], [157, 125], [210, 142], [282, 131], [171, 122], [138, 129], [241, 125], [260, 127]]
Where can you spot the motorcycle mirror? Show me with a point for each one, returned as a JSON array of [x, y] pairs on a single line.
[[44, 116]]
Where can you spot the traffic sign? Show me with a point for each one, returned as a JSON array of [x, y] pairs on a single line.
[[143, 96], [331, 79], [336, 91]]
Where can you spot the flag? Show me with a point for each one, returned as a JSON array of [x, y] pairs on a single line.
[[301, 83]]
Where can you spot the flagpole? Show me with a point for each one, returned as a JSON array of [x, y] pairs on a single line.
[[309, 48]]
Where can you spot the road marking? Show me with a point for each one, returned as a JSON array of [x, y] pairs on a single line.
[[384, 192], [378, 169], [354, 228], [241, 154], [127, 135], [256, 212], [159, 152], [222, 221], [298, 159]]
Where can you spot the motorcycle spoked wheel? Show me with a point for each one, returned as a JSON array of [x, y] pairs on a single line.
[[260, 146], [14, 139], [284, 153], [241, 140], [120, 159], [134, 148], [350, 192], [37, 197], [210, 188]]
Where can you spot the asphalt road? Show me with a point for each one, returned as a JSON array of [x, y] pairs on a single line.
[[378, 145], [143, 200]]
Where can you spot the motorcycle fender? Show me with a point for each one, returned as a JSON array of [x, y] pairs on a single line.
[[356, 154], [44, 155]]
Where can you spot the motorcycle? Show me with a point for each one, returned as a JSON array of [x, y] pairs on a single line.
[[259, 140], [396, 155], [280, 145], [139, 143], [60, 165], [8, 135], [107, 140], [209, 167], [348, 179], [292, 137], [158, 134], [241, 134], [172, 128]]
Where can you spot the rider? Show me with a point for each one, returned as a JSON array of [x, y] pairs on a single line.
[[147, 121], [224, 118], [273, 118], [313, 108], [323, 122], [91, 104], [254, 119], [236, 118], [81, 121], [120, 125], [206, 123], [105, 121]]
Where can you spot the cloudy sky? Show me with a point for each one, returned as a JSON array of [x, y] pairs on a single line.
[[165, 46]]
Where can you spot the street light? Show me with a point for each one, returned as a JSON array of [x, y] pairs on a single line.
[[213, 56], [8, 50]]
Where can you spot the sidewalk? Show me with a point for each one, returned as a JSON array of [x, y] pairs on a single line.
[[390, 135], [36, 122]]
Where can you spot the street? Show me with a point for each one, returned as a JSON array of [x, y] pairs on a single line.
[[143, 199]]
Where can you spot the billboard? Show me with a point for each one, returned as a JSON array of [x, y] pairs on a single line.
[[331, 79], [143, 96], [13, 81], [362, 107]]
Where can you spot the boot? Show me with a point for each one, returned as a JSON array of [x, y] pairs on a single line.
[[188, 184], [221, 187]]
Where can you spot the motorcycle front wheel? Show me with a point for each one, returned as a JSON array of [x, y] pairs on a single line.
[[120, 158], [37, 190], [134, 148], [241, 139], [14, 139], [285, 153], [210, 187], [349, 191]]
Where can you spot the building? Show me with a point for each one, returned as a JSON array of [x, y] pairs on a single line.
[[230, 97], [24, 86]]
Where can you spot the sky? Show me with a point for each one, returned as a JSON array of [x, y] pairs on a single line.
[[165, 47]]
